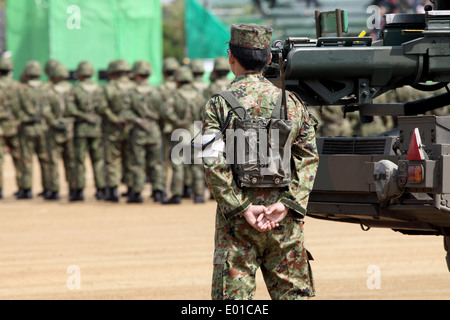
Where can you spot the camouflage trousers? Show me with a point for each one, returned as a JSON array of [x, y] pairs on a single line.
[[12, 142], [61, 148], [93, 147], [117, 162], [146, 158], [30, 145], [240, 250]]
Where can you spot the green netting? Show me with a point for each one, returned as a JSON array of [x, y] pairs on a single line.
[[205, 34], [95, 30]]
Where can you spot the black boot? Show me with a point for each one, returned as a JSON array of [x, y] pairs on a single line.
[[173, 200], [187, 192], [112, 195], [1, 193], [77, 195], [158, 196], [134, 197], [53, 195], [24, 194], [100, 194]]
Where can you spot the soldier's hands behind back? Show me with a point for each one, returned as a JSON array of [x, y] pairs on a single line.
[[255, 216], [276, 212]]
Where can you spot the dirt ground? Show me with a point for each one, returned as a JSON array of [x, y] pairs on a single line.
[[100, 250]]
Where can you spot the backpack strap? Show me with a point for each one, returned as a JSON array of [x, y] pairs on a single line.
[[235, 104], [278, 111]]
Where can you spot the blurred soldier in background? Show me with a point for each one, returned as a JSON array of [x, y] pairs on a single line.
[[60, 137], [33, 111], [332, 122], [145, 136], [89, 102], [198, 71], [8, 122], [166, 89], [185, 101], [118, 96], [219, 79]]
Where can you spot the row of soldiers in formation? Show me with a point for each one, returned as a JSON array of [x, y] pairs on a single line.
[[124, 126]]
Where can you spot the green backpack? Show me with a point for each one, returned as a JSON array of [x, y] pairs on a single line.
[[259, 149]]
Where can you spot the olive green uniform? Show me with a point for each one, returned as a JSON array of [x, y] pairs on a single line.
[[116, 131], [8, 122], [34, 113], [89, 102], [60, 137]]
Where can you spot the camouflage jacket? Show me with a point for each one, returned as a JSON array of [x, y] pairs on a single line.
[[89, 102], [32, 108], [8, 94], [187, 102], [259, 96], [118, 96], [145, 111], [60, 97], [166, 89]]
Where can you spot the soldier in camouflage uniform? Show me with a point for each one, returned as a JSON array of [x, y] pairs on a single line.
[[145, 135], [166, 89], [219, 77], [259, 227], [34, 113], [116, 131], [8, 122], [60, 137], [185, 101], [190, 170], [89, 102]]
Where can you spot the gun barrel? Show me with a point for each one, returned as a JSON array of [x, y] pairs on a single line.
[[380, 65]]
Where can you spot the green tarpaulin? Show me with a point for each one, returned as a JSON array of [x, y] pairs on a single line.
[[205, 33], [95, 30]]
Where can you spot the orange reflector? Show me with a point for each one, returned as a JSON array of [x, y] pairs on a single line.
[[415, 174], [415, 151]]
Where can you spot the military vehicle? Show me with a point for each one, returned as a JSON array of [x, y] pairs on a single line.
[[398, 179]]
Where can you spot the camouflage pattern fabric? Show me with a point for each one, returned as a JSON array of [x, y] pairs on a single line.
[[185, 102], [240, 250], [116, 132], [259, 96], [9, 126], [33, 111], [60, 136], [145, 137], [89, 102], [251, 36]]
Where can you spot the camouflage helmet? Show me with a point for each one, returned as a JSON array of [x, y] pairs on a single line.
[[6, 64], [170, 64], [142, 67], [49, 66], [111, 67], [121, 65], [221, 64], [183, 74], [85, 68], [197, 66], [59, 71], [33, 69], [250, 36]]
